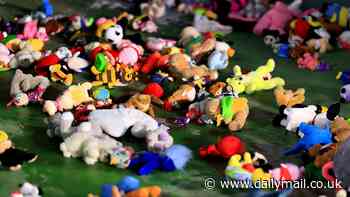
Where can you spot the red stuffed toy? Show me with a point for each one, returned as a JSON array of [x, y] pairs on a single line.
[[225, 147], [155, 60], [154, 89], [42, 66]]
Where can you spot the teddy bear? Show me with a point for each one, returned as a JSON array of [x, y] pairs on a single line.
[[142, 102], [26, 88], [11, 157], [180, 66], [227, 109], [289, 98], [71, 97], [185, 93], [260, 79], [24, 58]]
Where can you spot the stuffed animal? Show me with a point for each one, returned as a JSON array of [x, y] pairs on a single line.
[[225, 147], [219, 59], [153, 61], [153, 9], [277, 17], [289, 98], [321, 154], [144, 23], [77, 63], [129, 53], [345, 93], [11, 157], [247, 10], [26, 88], [260, 79], [57, 74], [217, 89], [344, 40], [24, 58], [181, 67], [158, 44], [5, 57], [185, 93], [340, 129], [142, 102], [115, 122], [28, 190], [299, 50], [240, 170], [287, 172], [174, 158], [203, 24], [311, 135], [73, 96], [309, 61], [228, 109], [321, 45], [291, 117]]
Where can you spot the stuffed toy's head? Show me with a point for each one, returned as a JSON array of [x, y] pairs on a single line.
[[237, 82], [345, 94], [5, 142], [24, 58], [114, 34], [187, 34]]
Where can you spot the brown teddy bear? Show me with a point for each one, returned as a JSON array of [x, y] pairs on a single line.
[[289, 98], [180, 66], [229, 110], [11, 157]]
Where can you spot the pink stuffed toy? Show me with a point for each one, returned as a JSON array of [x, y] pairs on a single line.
[[309, 61], [29, 31], [277, 17], [288, 172], [158, 44], [129, 53]]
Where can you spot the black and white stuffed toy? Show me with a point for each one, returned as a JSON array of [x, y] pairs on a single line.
[[291, 117]]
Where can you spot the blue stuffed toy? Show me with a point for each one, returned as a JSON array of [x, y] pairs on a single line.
[[125, 185], [312, 135], [47, 7], [174, 158], [217, 60]]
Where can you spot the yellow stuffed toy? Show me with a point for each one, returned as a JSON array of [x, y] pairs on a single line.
[[289, 98], [260, 79], [72, 97]]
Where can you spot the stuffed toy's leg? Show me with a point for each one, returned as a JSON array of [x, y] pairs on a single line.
[[239, 121]]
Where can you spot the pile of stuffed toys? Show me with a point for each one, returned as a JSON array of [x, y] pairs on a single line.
[[176, 75]]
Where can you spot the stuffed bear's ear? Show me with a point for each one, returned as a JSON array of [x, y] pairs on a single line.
[[333, 111]]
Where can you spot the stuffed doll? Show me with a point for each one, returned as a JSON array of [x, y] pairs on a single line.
[[73, 96], [26, 88], [311, 135], [28, 190], [289, 98], [277, 17], [174, 158], [227, 109], [11, 157], [185, 93], [181, 67], [260, 79], [225, 147], [291, 117]]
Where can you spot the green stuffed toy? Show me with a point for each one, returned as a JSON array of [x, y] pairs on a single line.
[[257, 80]]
